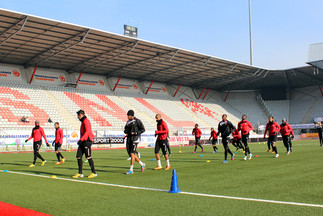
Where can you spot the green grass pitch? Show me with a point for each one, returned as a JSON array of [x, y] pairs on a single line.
[[294, 178]]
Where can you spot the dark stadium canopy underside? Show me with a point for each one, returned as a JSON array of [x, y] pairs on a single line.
[[29, 41]]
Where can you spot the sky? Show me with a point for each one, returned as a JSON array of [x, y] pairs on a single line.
[[282, 29]]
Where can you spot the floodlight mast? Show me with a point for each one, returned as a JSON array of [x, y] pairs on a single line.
[[250, 34]]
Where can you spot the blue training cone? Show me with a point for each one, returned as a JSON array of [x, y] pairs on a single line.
[[174, 185]]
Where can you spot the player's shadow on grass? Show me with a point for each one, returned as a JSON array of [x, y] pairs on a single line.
[[97, 168], [37, 172], [115, 167], [17, 163]]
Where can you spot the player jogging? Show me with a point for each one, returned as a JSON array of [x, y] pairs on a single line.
[[85, 144], [319, 131], [37, 134], [245, 127], [236, 141], [225, 128], [161, 142], [273, 128], [286, 130], [214, 137], [133, 129], [57, 143], [197, 133]]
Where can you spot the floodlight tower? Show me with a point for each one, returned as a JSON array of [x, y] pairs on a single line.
[[250, 34]]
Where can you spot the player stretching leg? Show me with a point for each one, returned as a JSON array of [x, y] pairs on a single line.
[[37, 134], [225, 128], [273, 129], [286, 130], [161, 142], [85, 144], [214, 137], [197, 133], [245, 127], [58, 143], [133, 129]]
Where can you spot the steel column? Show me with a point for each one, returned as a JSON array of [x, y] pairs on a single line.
[[115, 86], [177, 90], [201, 93], [149, 86]]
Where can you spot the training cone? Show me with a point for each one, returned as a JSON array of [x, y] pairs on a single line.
[[174, 185], [208, 161], [5, 171], [53, 176], [180, 152]]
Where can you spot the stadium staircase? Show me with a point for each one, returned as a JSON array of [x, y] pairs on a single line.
[[263, 105], [308, 117]]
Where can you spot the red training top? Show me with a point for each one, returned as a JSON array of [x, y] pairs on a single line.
[[86, 130], [59, 136], [286, 130], [245, 127], [37, 134], [272, 128], [236, 134], [197, 132], [214, 135], [162, 130]]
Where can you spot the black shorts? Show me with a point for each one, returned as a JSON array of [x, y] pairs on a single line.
[[131, 146], [84, 148], [37, 146], [272, 139], [286, 138], [161, 144], [214, 141], [245, 138], [225, 140], [236, 141], [197, 140], [58, 146]]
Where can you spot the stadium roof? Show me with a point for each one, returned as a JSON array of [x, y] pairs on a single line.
[[30, 40]]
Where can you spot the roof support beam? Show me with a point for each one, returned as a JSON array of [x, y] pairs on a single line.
[[13, 30], [175, 66], [106, 56], [206, 71], [32, 76], [149, 87], [57, 49], [201, 93], [206, 93], [177, 90], [115, 86], [321, 90], [78, 79], [226, 97], [308, 75], [173, 55], [158, 58]]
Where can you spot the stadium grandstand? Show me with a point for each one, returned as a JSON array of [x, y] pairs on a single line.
[[51, 69]]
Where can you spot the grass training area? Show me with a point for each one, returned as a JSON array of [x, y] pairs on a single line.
[[294, 178]]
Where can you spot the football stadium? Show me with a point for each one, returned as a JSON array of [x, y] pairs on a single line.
[[79, 106]]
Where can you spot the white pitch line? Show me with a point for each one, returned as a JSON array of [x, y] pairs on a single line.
[[182, 192]]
